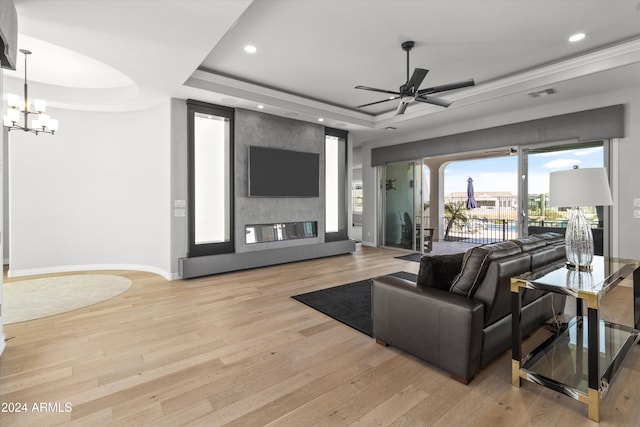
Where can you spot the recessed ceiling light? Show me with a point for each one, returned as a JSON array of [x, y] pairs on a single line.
[[577, 37], [250, 48], [260, 106], [321, 119]]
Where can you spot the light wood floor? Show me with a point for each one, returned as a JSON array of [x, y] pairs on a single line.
[[235, 349]]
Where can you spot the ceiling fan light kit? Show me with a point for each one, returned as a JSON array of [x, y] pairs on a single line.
[[410, 91]]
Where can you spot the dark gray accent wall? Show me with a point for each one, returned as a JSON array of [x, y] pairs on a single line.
[[214, 264], [254, 128], [265, 130], [589, 125]]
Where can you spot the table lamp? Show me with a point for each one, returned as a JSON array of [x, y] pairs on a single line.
[[575, 188]]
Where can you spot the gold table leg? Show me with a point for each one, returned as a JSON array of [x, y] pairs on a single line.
[[594, 405], [515, 373]]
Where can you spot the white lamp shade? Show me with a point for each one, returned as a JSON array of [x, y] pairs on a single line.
[[579, 187], [39, 105], [13, 115], [53, 125], [13, 101], [43, 119]]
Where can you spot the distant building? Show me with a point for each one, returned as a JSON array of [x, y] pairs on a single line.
[[491, 204]]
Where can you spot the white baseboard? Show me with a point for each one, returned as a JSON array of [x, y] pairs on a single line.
[[90, 267], [372, 244]]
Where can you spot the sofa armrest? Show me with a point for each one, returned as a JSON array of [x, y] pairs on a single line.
[[437, 326]]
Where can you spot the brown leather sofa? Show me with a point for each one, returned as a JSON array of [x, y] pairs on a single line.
[[458, 315]]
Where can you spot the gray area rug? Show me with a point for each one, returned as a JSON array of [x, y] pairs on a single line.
[[35, 298], [349, 304]]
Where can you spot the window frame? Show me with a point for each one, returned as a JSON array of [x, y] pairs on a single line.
[[216, 248], [343, 227]]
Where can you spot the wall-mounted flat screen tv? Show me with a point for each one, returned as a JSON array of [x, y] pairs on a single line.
[[274, 172]]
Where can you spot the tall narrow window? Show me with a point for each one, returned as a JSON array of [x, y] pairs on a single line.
[[331, 184], [336, 208], [210, 130]]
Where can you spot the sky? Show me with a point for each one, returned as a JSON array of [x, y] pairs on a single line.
[[500, 174]]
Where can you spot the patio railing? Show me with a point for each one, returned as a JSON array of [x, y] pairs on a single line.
[[495, 219], [481, 230]]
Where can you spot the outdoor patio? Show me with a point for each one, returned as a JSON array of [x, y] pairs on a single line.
[[443, 247]]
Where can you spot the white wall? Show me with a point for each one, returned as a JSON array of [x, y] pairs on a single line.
[[2, 190], [179, 182], [96, 195], [5, 195], [625, 180]]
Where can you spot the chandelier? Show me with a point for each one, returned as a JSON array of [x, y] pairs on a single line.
[[17, 108]]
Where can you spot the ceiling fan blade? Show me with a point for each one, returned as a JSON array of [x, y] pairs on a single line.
[[446, 87], [377, 90], [415, 81], [433, 100], [377, 102]]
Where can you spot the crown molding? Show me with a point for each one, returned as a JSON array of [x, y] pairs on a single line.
[[618, 55], [228, 86]]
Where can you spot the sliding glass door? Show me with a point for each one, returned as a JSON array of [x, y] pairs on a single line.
[[401, 191], [509, 203], [537, 163]]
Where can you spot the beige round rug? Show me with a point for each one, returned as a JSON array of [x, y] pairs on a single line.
[[31, 299]]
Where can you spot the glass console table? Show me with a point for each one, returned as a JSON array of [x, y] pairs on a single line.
[[582, 358]]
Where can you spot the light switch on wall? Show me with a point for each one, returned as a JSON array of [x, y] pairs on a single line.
[[179, 204], [636, 213], [636, 203]]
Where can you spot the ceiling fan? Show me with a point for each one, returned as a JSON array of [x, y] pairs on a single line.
[[410, 92]]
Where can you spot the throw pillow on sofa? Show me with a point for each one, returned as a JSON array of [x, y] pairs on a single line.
[[438, 271]]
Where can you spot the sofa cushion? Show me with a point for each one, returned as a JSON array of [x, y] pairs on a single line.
[[530, 242], [475, 263], [550, 237], [550, 253], [438, 271]]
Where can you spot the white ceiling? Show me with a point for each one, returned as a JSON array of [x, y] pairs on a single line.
[[119, 55]]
